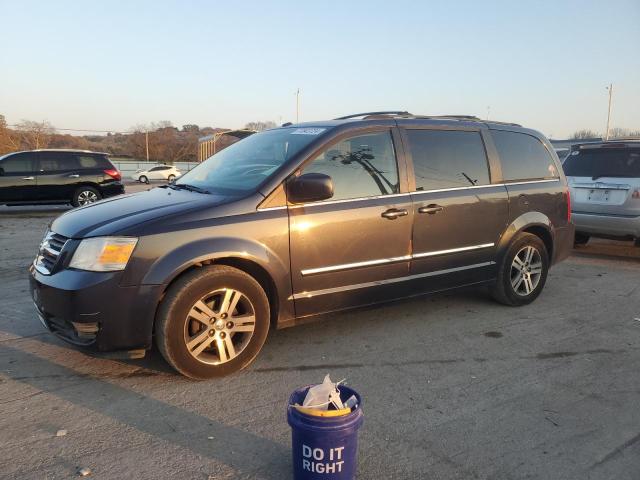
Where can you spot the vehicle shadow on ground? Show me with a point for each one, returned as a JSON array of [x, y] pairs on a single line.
[[231, 446], [34, 211]]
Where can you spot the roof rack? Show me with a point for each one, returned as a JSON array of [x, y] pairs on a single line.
[[368, 114], [405, 114]]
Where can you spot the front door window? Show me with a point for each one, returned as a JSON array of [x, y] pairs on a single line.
[[362, 166]]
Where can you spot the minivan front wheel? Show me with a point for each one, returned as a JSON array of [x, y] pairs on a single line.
[[85, 196], [523, 271], [212, 322]]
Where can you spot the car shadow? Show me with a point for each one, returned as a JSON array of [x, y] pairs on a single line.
[[229, 445]]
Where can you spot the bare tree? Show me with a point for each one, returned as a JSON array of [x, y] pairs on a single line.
[[260, 126], [583, 134], [8, 141], [35, 134], [618, 132]]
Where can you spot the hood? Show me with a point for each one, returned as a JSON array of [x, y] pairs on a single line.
[[117, 214]]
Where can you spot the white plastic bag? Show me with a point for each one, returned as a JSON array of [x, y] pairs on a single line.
[[320, 396]]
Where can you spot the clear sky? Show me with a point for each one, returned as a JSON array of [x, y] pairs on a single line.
[[109, 65]]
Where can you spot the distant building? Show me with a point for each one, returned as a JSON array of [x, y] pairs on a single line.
[[211, 144]]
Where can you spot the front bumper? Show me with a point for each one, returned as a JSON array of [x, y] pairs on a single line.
[[613, 225], [91, 310]]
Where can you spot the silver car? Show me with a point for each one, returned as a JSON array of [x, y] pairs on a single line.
[[604, 179]]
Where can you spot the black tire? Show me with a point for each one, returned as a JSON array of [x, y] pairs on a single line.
[[503, 289], [143, 179], [173, 322], [581, 239], [85, 196], [171, 178]]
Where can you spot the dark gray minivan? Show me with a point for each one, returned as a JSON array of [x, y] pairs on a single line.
[[303, 220]]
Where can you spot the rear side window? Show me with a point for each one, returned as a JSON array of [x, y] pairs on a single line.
[[523, 156], [603, 162], [362, 166], [57, 161], [20, 163], [447, 159]]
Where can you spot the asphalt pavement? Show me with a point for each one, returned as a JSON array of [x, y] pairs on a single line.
[[455, 386]]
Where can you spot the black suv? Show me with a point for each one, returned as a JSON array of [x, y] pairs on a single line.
[[299, 221], [53, 176]]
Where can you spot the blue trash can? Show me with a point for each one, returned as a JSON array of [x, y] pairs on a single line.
[[324, 447]]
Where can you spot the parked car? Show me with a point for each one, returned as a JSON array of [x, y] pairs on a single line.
[[303, 220], [50, 176], [604, 179], [160, 172]]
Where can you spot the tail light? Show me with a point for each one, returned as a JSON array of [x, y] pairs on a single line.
[[113, 173], [567, 194], [636, 194]]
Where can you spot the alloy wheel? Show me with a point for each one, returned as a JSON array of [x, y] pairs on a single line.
[[526, 270], [219, 326], [86, 197]]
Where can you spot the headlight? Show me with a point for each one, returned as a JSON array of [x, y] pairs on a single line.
[[103, 254]]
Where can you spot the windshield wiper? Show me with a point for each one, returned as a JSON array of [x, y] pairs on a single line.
[[191, 188]]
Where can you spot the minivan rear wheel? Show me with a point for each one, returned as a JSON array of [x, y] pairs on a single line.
[[85, 196], [522, 272], [212, 322]]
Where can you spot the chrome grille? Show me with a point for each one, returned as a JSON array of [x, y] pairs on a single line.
[[49, 251]]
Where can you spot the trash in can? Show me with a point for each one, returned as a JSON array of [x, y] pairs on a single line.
[[324, 434]]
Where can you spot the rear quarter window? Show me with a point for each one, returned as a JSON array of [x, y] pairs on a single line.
[[93, 161], [523, 156]]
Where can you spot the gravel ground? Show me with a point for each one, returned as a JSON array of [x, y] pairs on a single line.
[[454, 386]]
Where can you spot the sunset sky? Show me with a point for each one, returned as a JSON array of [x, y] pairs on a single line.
[[113, 64]]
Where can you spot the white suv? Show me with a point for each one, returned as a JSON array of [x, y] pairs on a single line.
[[159, 172], [604, 179]]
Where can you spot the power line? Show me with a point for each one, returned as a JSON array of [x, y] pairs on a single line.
[[77, 129]]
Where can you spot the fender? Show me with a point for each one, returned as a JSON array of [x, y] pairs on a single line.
[[176, 261], [524, 221]]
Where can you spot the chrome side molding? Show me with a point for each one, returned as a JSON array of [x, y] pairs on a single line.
[[382, 261]]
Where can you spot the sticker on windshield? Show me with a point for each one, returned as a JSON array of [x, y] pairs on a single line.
[[308, 131]]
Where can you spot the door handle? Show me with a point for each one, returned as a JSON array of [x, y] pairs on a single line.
[[431, 209], [394, 213], [28, 178], [74, 175]]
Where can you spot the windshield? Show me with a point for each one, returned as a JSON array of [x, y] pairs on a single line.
[[241, 167], [603, 162]]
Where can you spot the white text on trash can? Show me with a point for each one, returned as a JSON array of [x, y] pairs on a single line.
[[317, 461]]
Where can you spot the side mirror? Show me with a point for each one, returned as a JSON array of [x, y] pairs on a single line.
[[310, 187], [1, 171]]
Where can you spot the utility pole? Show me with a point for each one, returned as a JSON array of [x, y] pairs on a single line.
[[146, 141], [488, 111], [610, 88], [297, 105]]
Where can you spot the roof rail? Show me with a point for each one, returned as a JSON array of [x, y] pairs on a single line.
[[404, 114], [366, 114]]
